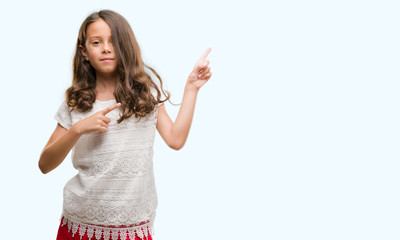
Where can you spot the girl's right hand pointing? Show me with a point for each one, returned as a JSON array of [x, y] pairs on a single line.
[[97, 122]]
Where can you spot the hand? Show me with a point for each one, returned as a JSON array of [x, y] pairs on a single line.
[[201, 72], [97, 122]]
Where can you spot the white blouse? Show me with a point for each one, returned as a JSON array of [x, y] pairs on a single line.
[[114, 192]]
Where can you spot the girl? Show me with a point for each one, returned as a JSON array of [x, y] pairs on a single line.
[[108, 119]]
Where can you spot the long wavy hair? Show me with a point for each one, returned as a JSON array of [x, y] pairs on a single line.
[[134, 85]]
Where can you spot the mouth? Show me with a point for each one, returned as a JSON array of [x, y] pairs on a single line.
[[107, 59]]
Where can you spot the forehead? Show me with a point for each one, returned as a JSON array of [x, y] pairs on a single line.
[[99, 28]]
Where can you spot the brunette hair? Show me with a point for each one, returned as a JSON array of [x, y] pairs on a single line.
[[133, 87]]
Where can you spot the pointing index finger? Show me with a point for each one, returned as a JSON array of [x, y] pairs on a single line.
[[205, 54], [110, 108]]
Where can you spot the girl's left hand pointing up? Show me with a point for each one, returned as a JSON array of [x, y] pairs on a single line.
[[201, 72]]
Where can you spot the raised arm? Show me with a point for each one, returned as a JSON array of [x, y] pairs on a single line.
[[175, 134]]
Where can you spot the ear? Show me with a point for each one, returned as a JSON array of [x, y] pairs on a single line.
[[84, 52]]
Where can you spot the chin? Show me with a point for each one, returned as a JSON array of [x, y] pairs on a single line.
[[108, 73]]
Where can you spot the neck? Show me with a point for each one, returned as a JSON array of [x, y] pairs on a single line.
[[105, 83]]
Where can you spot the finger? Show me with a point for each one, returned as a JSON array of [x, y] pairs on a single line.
[[207, 76], [103, 124], [204, 72], [205, 63], [204, 56], [110, 108], [200, 69], [106, 119]]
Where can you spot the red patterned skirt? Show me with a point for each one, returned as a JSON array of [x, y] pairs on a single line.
[[67, 231]]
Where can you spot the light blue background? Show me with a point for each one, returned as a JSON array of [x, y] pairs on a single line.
[[296, 135]]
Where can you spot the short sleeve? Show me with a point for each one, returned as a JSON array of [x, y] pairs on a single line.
[[63, 116]]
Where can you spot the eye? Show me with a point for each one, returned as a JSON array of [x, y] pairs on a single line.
[[95, 42]]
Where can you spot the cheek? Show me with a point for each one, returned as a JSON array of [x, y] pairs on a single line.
[[92, 52]]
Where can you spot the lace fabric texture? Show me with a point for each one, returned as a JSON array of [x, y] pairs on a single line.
[[142, 230], [115, 182]]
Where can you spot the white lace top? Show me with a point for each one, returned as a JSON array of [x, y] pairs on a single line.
[[114, 192]]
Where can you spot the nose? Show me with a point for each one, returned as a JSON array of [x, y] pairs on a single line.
[[106, 48]]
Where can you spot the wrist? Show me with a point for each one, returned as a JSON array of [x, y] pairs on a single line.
[[75, 129], [190, 88]]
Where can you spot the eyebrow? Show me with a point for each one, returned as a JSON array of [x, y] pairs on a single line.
[[95, 37]]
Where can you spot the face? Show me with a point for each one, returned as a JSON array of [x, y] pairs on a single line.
[[98, 48]]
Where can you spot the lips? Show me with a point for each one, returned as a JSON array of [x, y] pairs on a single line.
[[106, 59]]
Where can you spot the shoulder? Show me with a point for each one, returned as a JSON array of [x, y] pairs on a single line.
[[63, 115], [63, 106]]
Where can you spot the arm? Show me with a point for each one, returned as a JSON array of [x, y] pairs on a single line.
[[57, 148], [175, 134], [62, 140]]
